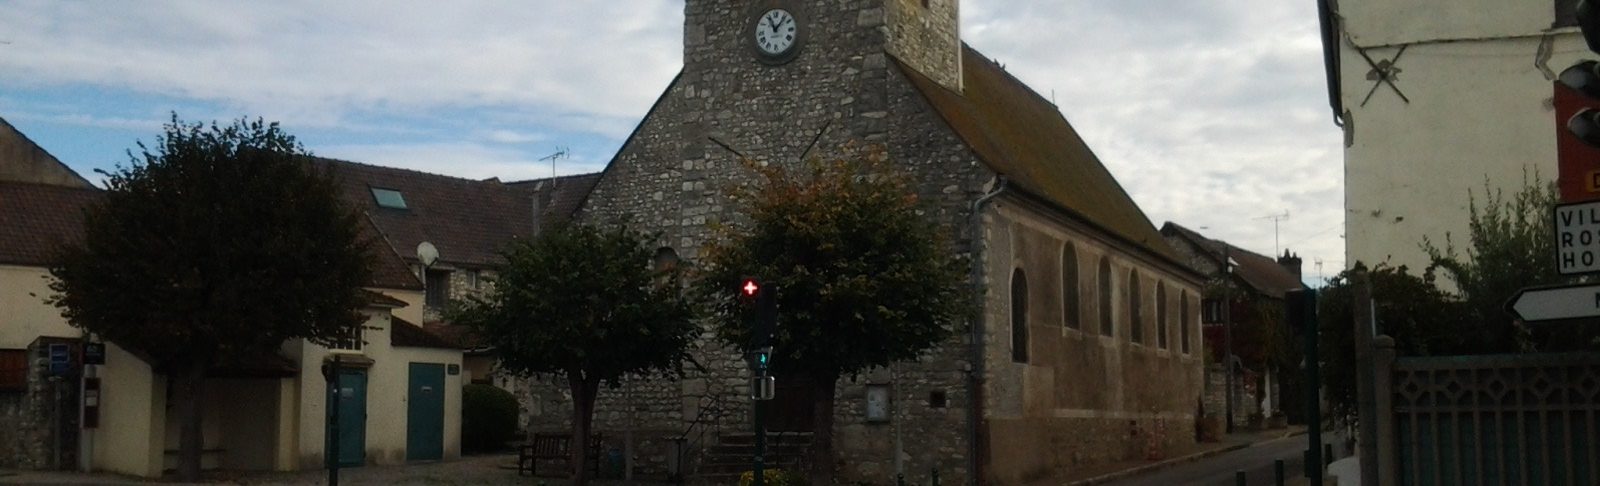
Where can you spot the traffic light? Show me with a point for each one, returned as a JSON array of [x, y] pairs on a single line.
[[1300, 307], [760, 311], [1577, 109]]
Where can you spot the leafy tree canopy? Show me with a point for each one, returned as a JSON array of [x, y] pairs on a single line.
[[213, 248], [583, 302], [865, 279], [216, 243]]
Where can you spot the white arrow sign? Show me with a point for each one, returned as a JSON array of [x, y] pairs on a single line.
[[1554, 303]]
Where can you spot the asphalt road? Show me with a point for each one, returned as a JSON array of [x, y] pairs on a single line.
[[1256, 461]]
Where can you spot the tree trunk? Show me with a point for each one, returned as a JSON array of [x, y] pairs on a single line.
[[584, 390], [190, 395], [822, 462]]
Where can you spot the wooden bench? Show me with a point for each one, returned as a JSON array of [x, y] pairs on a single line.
[[555, 447]]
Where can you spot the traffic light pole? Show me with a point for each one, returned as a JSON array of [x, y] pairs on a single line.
[[760, 478]]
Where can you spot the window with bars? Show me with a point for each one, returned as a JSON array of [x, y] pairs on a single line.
[[351, 340], [13, 370]]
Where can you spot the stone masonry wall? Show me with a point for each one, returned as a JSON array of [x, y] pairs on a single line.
[[925, 34], [27, 417]]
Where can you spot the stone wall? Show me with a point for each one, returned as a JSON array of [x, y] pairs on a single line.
[[925, 34], [1246, 400], [35, 422], [1082, 396]]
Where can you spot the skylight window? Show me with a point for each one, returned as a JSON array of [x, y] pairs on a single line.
[[389, 198]]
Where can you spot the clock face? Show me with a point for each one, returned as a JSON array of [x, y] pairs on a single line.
[[776, 32]]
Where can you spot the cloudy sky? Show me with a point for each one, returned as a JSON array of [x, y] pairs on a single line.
[[1212, 114]]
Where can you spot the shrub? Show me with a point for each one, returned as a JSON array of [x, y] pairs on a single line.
[[488, 417]]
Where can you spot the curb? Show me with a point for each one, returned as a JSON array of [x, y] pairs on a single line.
[[1109, 477]]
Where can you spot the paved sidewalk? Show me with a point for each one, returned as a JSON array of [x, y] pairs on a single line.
[[484, 469]]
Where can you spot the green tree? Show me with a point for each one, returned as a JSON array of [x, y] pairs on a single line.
[[1422, 319], [865, 280], [582, 303], [1511, 247], [217, 245]]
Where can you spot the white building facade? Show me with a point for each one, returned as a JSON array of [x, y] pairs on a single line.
[[1436, 99]]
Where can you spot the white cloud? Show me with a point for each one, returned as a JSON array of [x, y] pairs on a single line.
[[1212, 114]]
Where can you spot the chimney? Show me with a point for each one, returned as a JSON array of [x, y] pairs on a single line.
[[1290, 262], [542, 195]]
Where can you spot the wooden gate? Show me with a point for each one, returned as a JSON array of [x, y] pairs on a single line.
[[1480, 420]]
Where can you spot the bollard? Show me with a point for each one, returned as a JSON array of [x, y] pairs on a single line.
[[900, 480], [1238, 477], [1277, 472], [935, 476], [1327, 454]]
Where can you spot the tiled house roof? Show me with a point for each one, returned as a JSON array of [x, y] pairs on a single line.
[[403, 333], [1024, 137], [469, 221], [559, 197], [35, 219], [1261, 273]]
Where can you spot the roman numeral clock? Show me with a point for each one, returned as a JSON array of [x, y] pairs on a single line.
[[777, 31]]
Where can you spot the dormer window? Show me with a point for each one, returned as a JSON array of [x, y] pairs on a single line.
[[388, 198]]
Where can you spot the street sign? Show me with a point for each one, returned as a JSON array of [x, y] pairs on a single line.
[[1556, 303], [1578, 164], [763, 387], [1577, 238]]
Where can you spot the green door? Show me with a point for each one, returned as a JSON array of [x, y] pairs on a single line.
[[352, 410], [425, 413]]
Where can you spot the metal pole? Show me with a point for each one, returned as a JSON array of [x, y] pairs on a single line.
[[1366, 393], [1313, 408], [760, 478], [1239, 477], [333, 424], [1277, 472], [1227, 330]]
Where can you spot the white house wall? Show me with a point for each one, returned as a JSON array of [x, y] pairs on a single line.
[[1480, 109], [25, 314]]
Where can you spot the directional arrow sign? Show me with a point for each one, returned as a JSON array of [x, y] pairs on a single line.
[[1555, 303]]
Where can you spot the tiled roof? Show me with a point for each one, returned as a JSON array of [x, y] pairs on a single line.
[[461, 336], [560, 197], [1023, 137], [402, 333], [36, 219], [468, 221], [1260, 272]]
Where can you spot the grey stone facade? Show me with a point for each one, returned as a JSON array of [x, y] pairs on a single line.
[[845, 92]]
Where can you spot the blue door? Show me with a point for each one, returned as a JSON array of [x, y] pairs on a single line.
[[352, 411], [425, 413]]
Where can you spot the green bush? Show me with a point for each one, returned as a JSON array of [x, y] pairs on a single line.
[[488, 417]]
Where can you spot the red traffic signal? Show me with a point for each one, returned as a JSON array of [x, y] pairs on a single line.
[[750, 288]]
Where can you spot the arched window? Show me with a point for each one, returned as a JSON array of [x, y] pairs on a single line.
[[1183, 320], [664, 262], [1135, 308], [1106, 325], [1161, 314], [1019, 317], [1070, 314]]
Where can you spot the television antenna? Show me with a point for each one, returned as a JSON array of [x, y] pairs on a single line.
[[1318, 261], [561, 153], [1275, 219]]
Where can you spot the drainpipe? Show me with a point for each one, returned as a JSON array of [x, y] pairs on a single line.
[[975, 376]]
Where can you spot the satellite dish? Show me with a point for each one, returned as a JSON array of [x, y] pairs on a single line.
[[427, 253]]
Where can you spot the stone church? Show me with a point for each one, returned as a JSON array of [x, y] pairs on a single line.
[[1087, 350]]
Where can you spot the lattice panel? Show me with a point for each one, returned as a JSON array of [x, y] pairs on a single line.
[[1498, 419]]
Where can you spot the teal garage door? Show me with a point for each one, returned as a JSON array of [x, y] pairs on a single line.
[[425, 413]]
